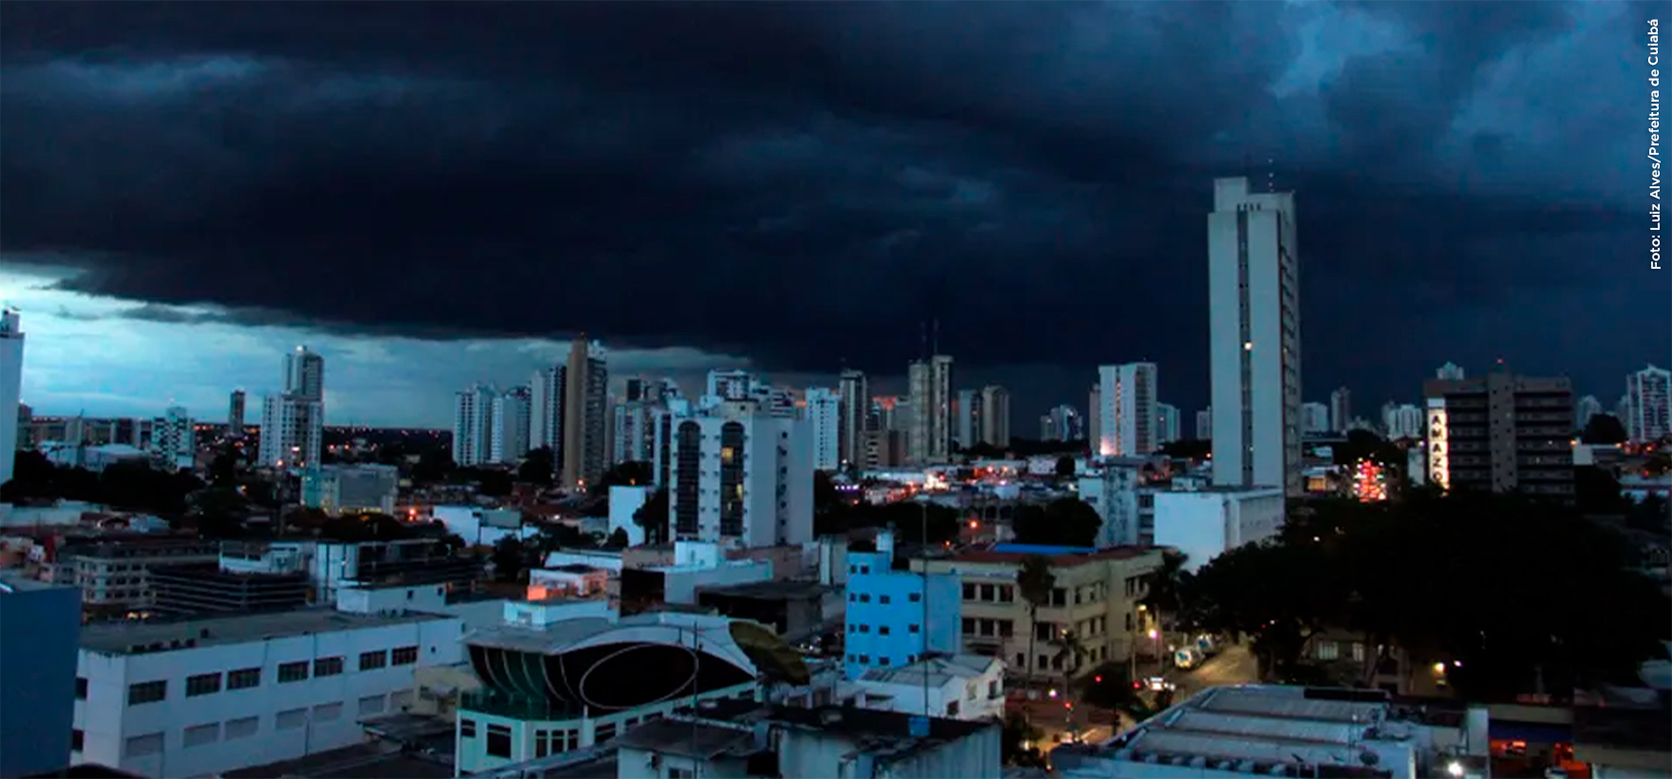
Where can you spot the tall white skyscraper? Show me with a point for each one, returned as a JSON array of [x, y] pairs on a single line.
[[511, 412], [11, 388], [1340, 410], [304, 374], [173, 441], [1128, 413], [545, 414], [293, 422], [631, 431], [969, 417], [729, 385], [473, 425], [1647, 396], [1166, 423], [856, 412], [1402, 421], [995, 416], [1254, 337], [824, 416], [1204, 424], [1314, 418], [1588, 407], [930, 384]]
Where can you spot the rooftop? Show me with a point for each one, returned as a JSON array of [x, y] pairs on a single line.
[[686, 739], [887, 735], [783, 590], [1008, 553], [360, 761], [940, 670], [134, 637]]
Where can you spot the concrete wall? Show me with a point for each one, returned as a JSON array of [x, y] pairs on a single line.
[[40, 627]]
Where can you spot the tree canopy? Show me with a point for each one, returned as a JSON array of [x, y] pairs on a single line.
[[906, 517], [653, 517], [130, 485], [1603, 429], [537, 466], [1062, 522], [1518, 593]]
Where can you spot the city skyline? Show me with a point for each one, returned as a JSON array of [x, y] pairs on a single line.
[[250, 180]]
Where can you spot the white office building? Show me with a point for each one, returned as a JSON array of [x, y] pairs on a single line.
[[729, 385], [1254, 337], [741, 476], [1649, 417], [1314, 419], [968, 412], [1128, 410], [1204, 524], [11, 387], [173, 441], [1403, 421], [930, 436], [512, 411], [1118, 497], [1451, 371], [205, 697], [473, 425], [292, 431], [824, 416]]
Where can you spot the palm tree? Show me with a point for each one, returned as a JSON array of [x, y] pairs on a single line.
[[1069, 654], [1034, 581], [1165, 594]]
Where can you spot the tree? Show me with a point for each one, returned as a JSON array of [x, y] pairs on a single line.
[[618, 539], [510, 558], [223, 470], [1069, 651], [1188, 448], [1596, 491], [632, 473], [434, 465], [653, 517], [1015, 749], [1164, 595], [1603, 429], [825, 496], [1065, 467], [537, 467], [1062, 522], [1034, 582]]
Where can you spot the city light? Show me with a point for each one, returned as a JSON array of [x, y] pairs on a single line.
[[1370, 482]]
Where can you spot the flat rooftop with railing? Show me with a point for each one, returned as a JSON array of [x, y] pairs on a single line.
[[140, 637]]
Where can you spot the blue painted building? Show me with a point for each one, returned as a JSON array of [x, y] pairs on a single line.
[[40, 635], [894, 617]]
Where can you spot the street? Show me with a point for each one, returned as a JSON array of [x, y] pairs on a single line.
[[1233, 665]]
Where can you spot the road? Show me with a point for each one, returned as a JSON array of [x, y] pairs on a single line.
[[1233, 665]]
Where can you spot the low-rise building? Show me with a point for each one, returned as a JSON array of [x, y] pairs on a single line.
[[896, 617], [204, 588], [1094, 602], [363, 487], [1206, 523], [115, 574], [966, 687], [207, 696]]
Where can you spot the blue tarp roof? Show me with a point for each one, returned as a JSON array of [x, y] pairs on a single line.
[[1041, 549]]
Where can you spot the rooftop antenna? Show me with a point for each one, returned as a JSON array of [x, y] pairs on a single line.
[[1271, 175]]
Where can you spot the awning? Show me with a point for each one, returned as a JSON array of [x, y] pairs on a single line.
[[1530, 732]]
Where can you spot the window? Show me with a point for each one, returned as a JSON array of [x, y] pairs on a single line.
[[603, 731], [147, 692], [291, 720], [76, 739], [915, 597], [293, 672], [951, 708], [882, 630], [81, 688], [404, 655], [328, 712], [371, 661], [1327, 650], [681, 773], [327, 666], [203, 684], [467, 728], [241, 728], [969, 592], [400, 700], [883, 599], [865, 659], [243, 679], [499, 741], [371, 704], [914, 627], [882, 661], [141, 746], [199, 735], [969, 626], [865, 598]]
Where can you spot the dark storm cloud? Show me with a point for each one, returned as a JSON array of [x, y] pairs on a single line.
[[806, 183]]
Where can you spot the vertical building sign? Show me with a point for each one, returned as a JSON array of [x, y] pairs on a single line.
[[1439, 455]]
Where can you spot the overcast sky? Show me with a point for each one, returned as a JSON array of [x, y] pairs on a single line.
[[434, 194]]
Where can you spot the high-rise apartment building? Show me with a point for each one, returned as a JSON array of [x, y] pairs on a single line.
[[1254, 337], [545, 414], [632, 431], [1450, 370], [1128, 413], [512, 411], [930, 384], [1500, 433], [1094, 416], [1062, 423], [729, 385], [856, 414], [1649, 415], [741, 474], [304, 375], [1588, 407], [585, 414], [473, 426], [235, 413], [1402, 421], [1166, 424], [1204, 424], [11, 388], [1314, 419], [173, 441], [968, 411], [1341, 410], [824, 417], [293, 422], [995, 416]]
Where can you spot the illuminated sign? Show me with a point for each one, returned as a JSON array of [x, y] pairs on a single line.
[[1439, 455]]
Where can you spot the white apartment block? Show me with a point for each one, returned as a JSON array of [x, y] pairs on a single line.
[[1314, 418], [930, 435], [1128, 412], [545, 416], [473, 426], [1403, 421], [1166, 423], [963, 686], [292, 431], [1450, 370], [1588, 407], [631, 432], [1254, 337], [1204, 424], [118, 574], [1340, 409], [741, 476], [824, 416], [11, 387], [1649, 415], [995, 416], [512, 411], [1204, 524], [173, 441], [304, 374], [205, 697], [729, 385]]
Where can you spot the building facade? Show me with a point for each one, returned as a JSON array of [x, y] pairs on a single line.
[[235, 413], [40, 626], [1128, 410], [1254, 337], [632, 432], [545, 417], [512, 412], [1501, 433], [1649, 405], [473, 425], [1402, 421], [995, 416], [1315, 419], [1167, 421], [173, 441], [304, 374], [11, 387], [824, 417], [1340, 410], [968, 412], [292, 431], [930, 385], [895, 618], [585, 412], [742, 476], [362, 487], [209, 696], [856, 416], [1204, 524]]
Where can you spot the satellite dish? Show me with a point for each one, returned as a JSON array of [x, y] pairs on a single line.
[[776, 659]]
